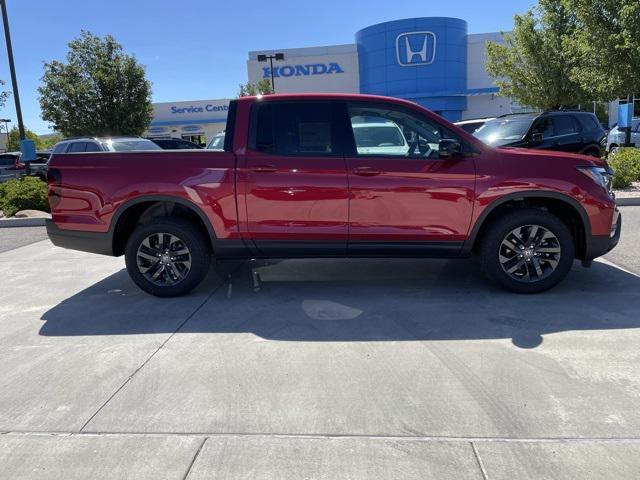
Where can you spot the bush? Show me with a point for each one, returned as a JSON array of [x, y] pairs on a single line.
[[26, 193], [626, 164]]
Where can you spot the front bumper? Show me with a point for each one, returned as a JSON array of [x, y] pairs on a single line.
[[598, 245]]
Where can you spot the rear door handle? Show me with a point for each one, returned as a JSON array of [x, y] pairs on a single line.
[[264, 168], [366, 171]]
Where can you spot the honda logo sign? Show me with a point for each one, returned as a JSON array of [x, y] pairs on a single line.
[[416, 48]]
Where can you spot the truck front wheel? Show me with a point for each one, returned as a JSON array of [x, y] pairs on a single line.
[[167, 257], [527, 251]]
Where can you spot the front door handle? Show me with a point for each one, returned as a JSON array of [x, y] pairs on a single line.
[[264, 168], [366, 171]]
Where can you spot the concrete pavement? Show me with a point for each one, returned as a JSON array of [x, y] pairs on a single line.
[[323, 369]]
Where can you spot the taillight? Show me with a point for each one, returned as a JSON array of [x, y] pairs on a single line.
[[54, 177], [54, 180]]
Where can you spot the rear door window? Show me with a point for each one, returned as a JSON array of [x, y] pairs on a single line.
[[565, 125], [77, 147], [92, 147], [297, 129]]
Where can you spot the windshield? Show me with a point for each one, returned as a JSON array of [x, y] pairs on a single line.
[[217, 143], [128, 145], [378, 136], [503, 130]]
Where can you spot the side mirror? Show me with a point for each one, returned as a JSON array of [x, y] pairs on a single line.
[[536, 137], [448, 148]]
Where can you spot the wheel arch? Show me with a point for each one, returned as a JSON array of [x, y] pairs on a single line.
[[564, 207], [147, 207]]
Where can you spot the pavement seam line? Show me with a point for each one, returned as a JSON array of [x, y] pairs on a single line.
[[320, 436], [476, 454], [195, 457], [148, 359]]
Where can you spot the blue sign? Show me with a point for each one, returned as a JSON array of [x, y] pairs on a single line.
[[303, 70], [194, 128], [28, 150], [625, 115], [415, 48]]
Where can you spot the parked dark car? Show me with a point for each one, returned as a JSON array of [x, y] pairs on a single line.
[[565, 131], [175, 144], [11, 165]]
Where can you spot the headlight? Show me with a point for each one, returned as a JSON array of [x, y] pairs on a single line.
[[603, 176]]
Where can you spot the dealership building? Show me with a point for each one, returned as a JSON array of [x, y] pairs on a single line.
[[432, 61]]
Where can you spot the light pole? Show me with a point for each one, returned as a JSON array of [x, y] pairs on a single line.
[[27, 147], [271, 58]]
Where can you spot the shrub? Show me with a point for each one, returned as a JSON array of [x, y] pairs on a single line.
[[626, 164], [23, 194]]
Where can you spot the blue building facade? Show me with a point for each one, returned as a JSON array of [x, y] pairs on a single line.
[[420, 59]]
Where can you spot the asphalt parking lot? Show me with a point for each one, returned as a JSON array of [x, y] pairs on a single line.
[[369, 369]]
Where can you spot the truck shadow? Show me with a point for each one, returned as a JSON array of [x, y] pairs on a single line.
[[355, 300]]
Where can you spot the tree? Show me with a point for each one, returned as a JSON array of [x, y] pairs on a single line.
[[13, 140], [48, 141], [3, 95], [99, 91], [606, 45], [533, 64], [262, 87]]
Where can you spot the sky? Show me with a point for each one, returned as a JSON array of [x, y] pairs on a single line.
[[197, 49]]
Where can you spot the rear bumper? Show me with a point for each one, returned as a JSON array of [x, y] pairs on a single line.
[[598, 245], [92, 242]]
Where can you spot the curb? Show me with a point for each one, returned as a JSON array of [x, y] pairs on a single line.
[[22, 222], [628, 202]]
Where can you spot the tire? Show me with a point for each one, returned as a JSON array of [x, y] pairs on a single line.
[[613, 149], [177, 272], [592, 152], [544, 266]]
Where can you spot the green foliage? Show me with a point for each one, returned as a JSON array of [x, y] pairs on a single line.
[[23, 194], [626, 164], [13, 141], [532, 65], [99, 91], [262, 87], [3, 96], [47, 143], [605, 47]]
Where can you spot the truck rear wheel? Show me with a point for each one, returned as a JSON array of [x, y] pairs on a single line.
[[167, 257], [528, 251]]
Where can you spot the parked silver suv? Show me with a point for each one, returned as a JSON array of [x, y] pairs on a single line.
[[104, 144], [615, 138]]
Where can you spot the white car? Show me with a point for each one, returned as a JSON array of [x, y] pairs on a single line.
[[616, 138], [379, 139]]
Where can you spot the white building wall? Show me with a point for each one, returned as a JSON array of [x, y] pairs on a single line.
[[345, 56], [482, 106], [196, 117], [477, 76], [487, 105]]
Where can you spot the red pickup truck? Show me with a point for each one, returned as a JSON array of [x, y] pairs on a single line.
[[324, 175]]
